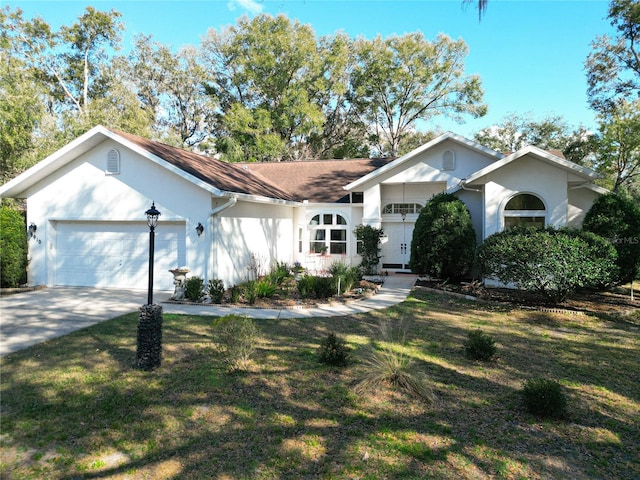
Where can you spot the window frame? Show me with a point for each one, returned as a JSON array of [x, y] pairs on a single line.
[[328, 234], [399, 208], [534, 216]]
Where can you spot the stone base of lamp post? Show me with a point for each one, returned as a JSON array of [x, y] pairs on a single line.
[[149, 351]]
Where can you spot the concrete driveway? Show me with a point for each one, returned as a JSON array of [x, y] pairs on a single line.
[[29, 318]]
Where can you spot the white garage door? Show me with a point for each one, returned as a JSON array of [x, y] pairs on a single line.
[[116, 254]]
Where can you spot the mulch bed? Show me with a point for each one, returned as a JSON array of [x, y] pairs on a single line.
[[292, 299], [616, 302]]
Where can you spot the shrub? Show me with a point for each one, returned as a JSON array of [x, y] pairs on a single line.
[[444, 240], [13, 248], [306, 286], [617, 219], [369, 247], [551, 262], [311, 286], [323, 287], [234, 294], [344, 277], [544, 397], [264, 288], [235, 338], [215, 289], [278, 273], [333, 351], [389, 366], [479, 346], [194, 288], [250, 292]]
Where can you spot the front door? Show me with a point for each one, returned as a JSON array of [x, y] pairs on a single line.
[[396, 245]]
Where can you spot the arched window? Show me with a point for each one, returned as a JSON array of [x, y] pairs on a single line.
[[328, 233], [525, 210]]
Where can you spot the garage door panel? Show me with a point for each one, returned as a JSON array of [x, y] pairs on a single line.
[[116, 254]]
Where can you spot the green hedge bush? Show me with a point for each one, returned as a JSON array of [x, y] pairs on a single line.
[[479, 346], [13, 248], [617, 219], [215, 289], [444, 240], [194, 288], [544, 397], [333, 351], [551, 262]]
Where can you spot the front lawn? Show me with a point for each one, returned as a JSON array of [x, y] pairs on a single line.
[[75, 408]]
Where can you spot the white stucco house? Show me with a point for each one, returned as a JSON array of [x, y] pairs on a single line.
[[87, 203]]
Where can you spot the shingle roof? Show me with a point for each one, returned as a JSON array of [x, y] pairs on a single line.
[[223, 176], [316, 181], [319, 181]]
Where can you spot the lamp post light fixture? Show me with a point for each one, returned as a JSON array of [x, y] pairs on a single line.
[[152, 221]]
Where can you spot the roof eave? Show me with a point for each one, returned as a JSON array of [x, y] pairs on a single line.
[[536, 152], [412, 154], [18, 186], [247, 197]]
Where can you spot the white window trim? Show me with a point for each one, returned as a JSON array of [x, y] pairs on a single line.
[[311, 229], [523, 213]]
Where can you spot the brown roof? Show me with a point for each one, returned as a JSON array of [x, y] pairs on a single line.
[[223, 176], [316, 181]]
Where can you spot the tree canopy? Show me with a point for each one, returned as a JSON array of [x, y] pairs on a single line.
[[264, 89], [613, 66]]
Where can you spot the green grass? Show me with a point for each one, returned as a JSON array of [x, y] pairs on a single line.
[[75, 407]]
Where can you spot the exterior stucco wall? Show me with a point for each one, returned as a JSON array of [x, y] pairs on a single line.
[[526, 175], [428, 166], [580, 202], [265, 231], [474, 200], [372, 209], [82, 191]]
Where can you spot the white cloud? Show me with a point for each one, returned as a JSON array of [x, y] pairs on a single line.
[[252, 6]]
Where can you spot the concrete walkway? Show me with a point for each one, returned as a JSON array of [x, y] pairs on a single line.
[[30, 318], [394, 290]]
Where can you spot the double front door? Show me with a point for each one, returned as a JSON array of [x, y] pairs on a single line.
[[396, 245]]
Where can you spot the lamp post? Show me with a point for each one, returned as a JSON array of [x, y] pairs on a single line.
[[152, 221]]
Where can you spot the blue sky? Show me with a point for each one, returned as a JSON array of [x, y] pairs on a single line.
[[529, 54]]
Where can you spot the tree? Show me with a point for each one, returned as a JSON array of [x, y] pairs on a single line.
[[444, 240], [613, 67], [263, 69], [550, 133], [70, 61], [57, 85], [344, 134], [617, 219], [20, 109], [618, 155], [400, 80], [170, 87]]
